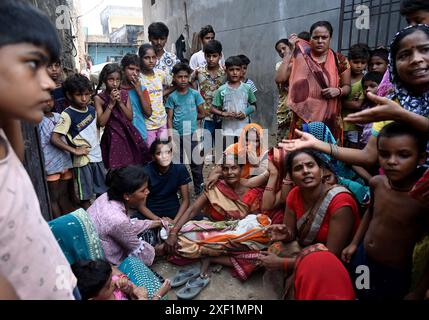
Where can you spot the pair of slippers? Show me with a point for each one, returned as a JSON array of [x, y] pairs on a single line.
[[195, 283]]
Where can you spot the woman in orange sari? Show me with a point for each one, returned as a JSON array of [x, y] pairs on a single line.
[[252, 147], [237, 235], [318, 80]]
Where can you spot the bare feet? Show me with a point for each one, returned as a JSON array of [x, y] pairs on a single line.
[[205, 265], [166, 286]]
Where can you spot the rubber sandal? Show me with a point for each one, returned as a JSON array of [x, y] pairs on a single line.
[[193, 288], [183, 276]]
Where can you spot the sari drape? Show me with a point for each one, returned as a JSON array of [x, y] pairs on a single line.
[[307, 80], [121, 143], [78, 239], [237, 231]]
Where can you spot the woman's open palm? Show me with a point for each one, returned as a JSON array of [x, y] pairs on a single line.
[[304, 140]]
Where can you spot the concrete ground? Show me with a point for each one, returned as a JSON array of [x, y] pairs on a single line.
[[222, 286]]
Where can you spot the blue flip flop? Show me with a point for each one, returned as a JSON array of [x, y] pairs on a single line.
[[184, 275], [193, 288]]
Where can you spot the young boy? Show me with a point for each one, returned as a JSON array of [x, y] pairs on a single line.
[[379, 60], [198, 60], [184, 106], [56, 73], [209, 78], [234, 101], [358, 58], [370, 83], [158, 36], [245, 64], [139, 95], [30, 257], [79, 124], [57, 164], [415, 11], [395, 222]]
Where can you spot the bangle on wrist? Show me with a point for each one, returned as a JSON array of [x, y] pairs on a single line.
[[267, 188], [287, 182], [157, 296]]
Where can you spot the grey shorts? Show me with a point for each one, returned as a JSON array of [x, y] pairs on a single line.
[[90, 180]]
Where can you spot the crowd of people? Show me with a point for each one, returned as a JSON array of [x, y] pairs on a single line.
[[344, 187]]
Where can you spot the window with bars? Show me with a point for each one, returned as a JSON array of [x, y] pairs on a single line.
[[384, 22]]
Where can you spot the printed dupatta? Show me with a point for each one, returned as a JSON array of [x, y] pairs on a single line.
[[309, 224], [308, 78]]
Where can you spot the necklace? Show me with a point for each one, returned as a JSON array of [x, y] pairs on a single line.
[[399, 189]]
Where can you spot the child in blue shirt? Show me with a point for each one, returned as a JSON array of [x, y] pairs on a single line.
[[166, 181], [184, 107]]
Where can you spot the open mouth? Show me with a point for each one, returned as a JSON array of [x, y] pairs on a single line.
[[308, 180], [419, 72]]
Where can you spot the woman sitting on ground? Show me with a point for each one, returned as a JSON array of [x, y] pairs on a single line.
[[251, 149], [236, 235], [110, 213], [315, 213]]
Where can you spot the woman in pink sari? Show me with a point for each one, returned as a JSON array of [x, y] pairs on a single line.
[[319, 78]]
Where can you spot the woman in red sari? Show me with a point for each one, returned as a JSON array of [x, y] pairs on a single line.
[[319, 79], [315, 213], [320, 275], [232, 198]]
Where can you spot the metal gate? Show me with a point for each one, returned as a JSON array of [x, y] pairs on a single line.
[[384, 21]]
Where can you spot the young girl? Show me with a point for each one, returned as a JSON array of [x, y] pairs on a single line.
[[121, 143], [165, 180], [379, 60], [98, 280], [154, 81]]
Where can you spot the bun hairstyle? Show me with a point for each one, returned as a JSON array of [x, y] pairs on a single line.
[[125, 180]]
